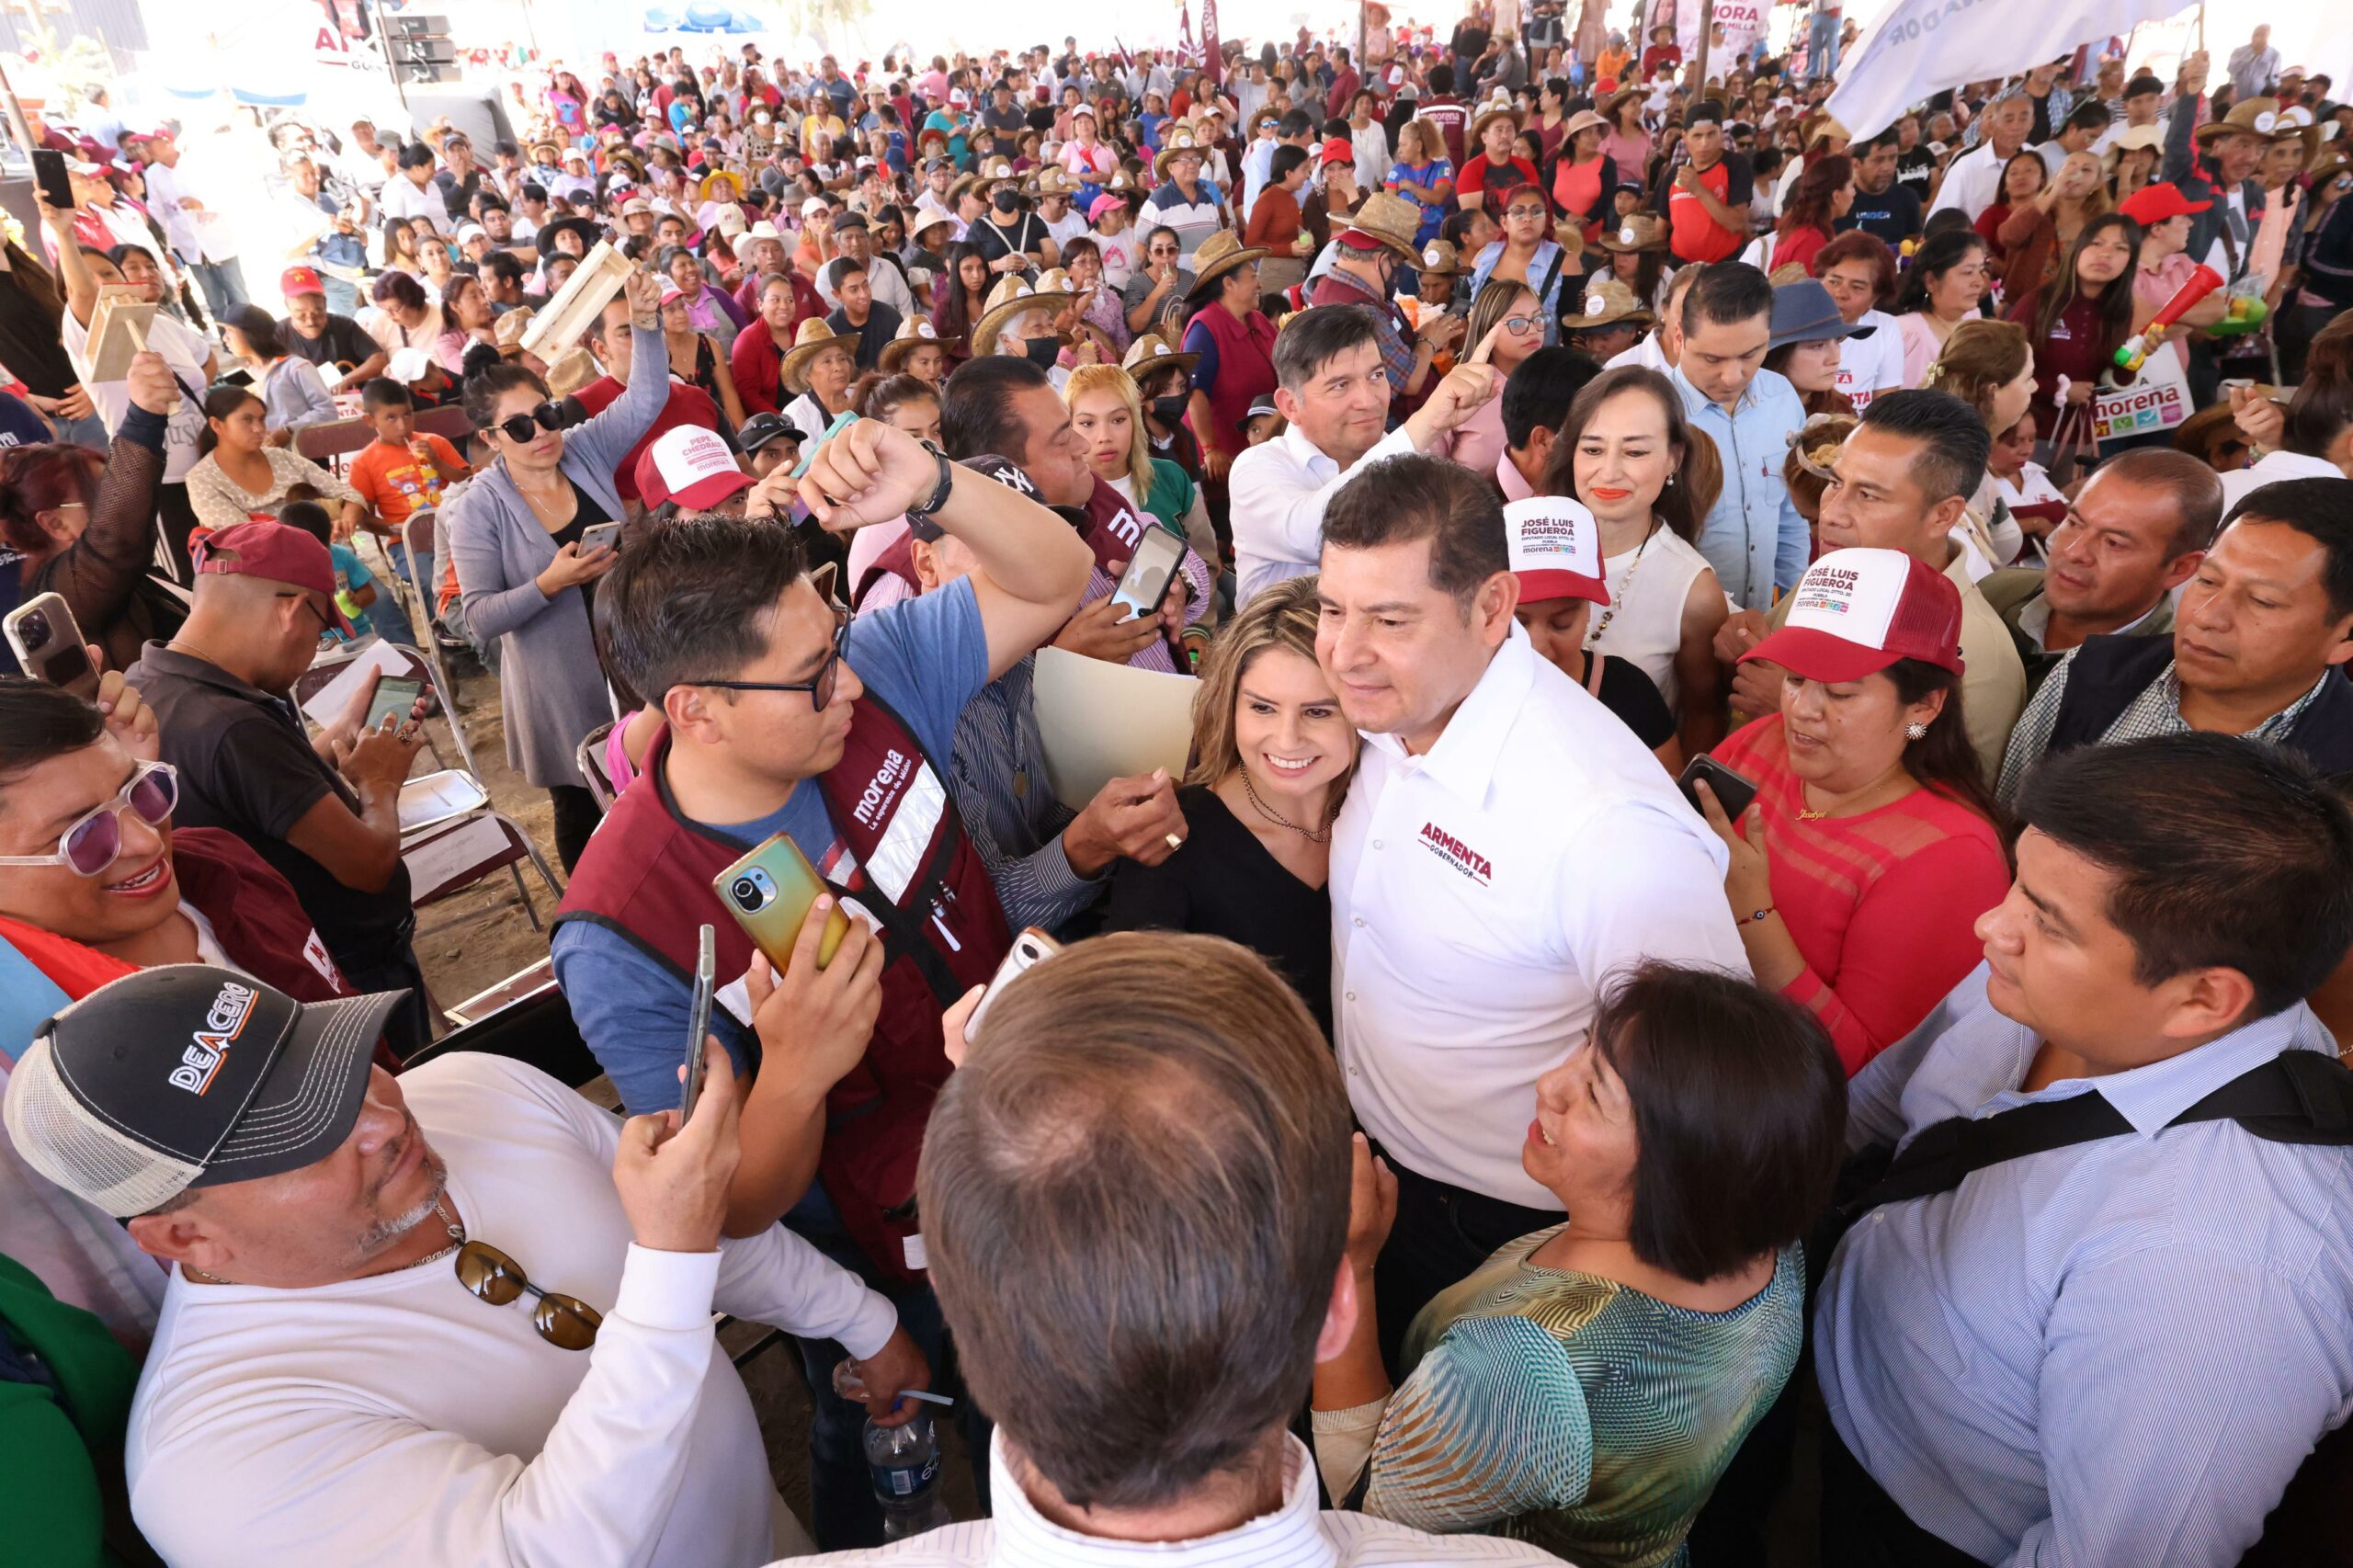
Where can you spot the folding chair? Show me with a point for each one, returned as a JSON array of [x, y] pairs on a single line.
[[591, 759], [335, 439], [504, 851], [419, 534]]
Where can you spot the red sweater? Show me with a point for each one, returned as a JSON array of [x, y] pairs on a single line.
[[1882, 905]]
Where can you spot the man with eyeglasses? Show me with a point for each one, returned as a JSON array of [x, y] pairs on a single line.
[[783, 716], [324, 812], [375, 1341]]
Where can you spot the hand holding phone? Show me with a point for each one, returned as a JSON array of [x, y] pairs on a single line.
[[600, 536], [50, 175], [49, 646], [1030, 950], [699, 1024], [395, 699], [1142, 588], [1734, 793], [769, 893]]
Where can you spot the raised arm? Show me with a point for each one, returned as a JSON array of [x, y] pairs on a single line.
[[97, 573]]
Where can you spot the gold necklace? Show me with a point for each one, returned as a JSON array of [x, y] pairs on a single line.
[[1276, 818]]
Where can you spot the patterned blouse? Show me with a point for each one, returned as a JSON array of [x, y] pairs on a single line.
[[1575, 1412]]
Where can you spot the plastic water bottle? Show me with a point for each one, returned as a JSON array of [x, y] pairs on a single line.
[[904, 1464]]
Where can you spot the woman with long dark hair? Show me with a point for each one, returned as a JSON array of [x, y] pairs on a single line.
[[239, 473], [2077, 321], [1823, 193], [962, 298]]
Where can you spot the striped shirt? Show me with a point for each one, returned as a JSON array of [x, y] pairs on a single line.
[[2156, 711], [2116, 1352], [999, 775], [1294, 1536]]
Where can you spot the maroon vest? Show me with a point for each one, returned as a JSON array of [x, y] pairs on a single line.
[[1245, 371], [647, 875]]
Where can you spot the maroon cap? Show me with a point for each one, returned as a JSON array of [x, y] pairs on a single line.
[[274, 553], [1856, 611]]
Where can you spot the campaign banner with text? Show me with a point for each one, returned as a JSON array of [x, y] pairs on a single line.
[[1738, 24], [2158, 399], [1918, 47]]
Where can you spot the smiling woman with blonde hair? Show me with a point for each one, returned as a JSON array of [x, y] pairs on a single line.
[[1272, 758]]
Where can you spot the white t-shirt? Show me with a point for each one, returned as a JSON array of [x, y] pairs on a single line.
[[397, 1420], [1870, 366], [186, 354], [1121, 256]]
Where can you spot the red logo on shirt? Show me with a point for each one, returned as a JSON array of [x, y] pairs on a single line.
[[1457, 854]]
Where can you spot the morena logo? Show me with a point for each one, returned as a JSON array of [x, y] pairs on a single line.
[[874, 800], [1457, 854]]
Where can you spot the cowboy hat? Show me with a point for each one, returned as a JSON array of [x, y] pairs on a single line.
[[1011, 299], [1180, 142], [555, 154], [1440, 259], [1220, 254], [712, 181], [1609, 304], [2249, 117], [913, 334], [1636, 232], [1053, 181], [1821, 124], [570, 371], [509, 329], [1385, 220], [1585, 120], [813, 338], [627, 160], [1498, 107], [2132, 138], [926, 219], [1150, 352]]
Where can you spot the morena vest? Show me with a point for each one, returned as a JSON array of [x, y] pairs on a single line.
[[2109, 672]]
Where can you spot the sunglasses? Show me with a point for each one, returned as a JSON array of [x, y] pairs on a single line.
[[489, 1274], [524, 426], [820, 687], [91, 841]]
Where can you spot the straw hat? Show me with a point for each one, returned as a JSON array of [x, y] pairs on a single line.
[[2132, 138], [510, 327], [812, 337], [1636, 232], [546, 153], [1498, 107], [2254, 117], [628, 159], [927, 218], [1585, 120], [1120, 180], [720, 180], [1440, 259], [1607, 107], [1220, 254], [2295, 124], [2329, 167], [570, 371], [1820, 125], [913, 334], [1150, 352], [1609, 304], [992, 169], [1052, 181], [1391, 220], [1010, 299], [1178, 142], [1057, 280]]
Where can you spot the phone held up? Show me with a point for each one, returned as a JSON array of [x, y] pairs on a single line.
[[1145, 584], [698, 1024], [48, 644], [768, 891], [600, 535], [1732, 792], [1030, 950], [49, 174]]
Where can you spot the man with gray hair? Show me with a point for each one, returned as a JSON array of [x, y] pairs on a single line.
[[1332, 390]]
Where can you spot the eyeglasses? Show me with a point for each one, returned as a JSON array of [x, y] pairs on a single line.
[[1517, 324], [92, 840], [326, 621], [523, 426], [820, 687], [489, 1274]]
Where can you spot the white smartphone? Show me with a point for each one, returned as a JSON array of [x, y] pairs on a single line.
[[697, 1024], [1030, 950], [607, 535], [48, 644], [1146, 582]]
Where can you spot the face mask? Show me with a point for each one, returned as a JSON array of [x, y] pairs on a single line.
[[1043, 351], [1170, 410], [1006, 202]]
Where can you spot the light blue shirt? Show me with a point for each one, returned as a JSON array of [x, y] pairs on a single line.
[[1754, 536], [2116, 1352]]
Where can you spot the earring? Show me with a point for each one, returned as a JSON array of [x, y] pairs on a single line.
[[1670, 479], [1916, 731]]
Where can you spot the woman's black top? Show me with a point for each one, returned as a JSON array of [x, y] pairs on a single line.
[[1224, 883], [586, 515]]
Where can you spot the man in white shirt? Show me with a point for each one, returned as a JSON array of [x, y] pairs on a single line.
[[1974, 180], [1332, 387], [1142, 1340], [1661, 349], [375, 1346], [199, 234], [1507, 848]]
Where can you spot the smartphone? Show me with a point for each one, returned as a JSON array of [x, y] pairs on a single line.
[[607, 535], [49, 646], [1146, 582], [842, 422], [1732, 792], [768, 891], [394, 695], [698, 1024], [1030, 950], [49, 173]]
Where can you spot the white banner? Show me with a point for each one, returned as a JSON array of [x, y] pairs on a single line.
[[1738, 24], [1918, 47]]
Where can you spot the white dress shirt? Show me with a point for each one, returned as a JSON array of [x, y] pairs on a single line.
[[1296, 1535], [402, 198], [196, 234], [2273, 468], [1973, 181], [1279, 491], [1483, 893]]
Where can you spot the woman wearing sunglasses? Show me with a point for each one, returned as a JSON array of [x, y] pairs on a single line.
[[526, 574]]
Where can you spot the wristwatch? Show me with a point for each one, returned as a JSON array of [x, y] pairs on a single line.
[[938, 496]]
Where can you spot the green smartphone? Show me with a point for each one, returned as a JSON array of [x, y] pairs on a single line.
[[768, 891]]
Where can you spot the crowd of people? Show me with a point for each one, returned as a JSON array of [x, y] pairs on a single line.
[[1583, 1040]]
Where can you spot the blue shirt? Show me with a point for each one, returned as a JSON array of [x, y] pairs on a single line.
[[352, 573], [926, 657], [2112, 1353], [1754, 536]]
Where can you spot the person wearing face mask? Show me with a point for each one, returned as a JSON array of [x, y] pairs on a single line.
[[1009, 238], [1026, 323], [1163, 383], [1364, 262]]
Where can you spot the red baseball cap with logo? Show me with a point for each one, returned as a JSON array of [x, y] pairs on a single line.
[[298, 281], [1856, 611], [274, 553], [1555, 549], [1337, 150], [691, 466], [2154, 204]]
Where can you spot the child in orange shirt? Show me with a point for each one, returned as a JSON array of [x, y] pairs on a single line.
[[401, 470]]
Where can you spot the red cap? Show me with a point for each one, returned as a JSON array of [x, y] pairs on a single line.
[[300, 280], [1856, 611], [274, 553], [1337, 150], [2153, 204], [1555, 549], [691, 466]]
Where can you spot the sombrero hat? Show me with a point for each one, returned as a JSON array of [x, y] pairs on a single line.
[[812, 337], [1388, 219], [1609, 304], [718, 181], [1012, 297], [1498, 107], [1221, 253], [1440, 259], [1178, 142], [1149, 353], [2295, 123], [913, 333], [2132, 138], [546, 153], [2253, 117], [628, 160], [1636, 232]]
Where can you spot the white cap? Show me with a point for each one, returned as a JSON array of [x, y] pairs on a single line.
[[408, 365], [1555, 549]]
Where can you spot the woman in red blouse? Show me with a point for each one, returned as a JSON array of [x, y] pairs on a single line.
[[1583, 177], [1858, 875], [1823, 193], [2023, 178], [2077, 321]]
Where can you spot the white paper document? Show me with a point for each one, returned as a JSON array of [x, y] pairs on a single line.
[[1102, 721]]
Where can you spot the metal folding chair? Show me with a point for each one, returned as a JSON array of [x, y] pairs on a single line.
[[591, 759], [507, 857], [420, 536]]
